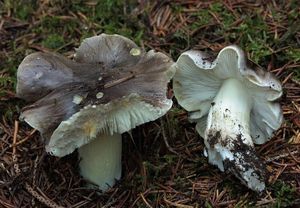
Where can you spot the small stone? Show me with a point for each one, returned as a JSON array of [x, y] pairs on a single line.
[[99, 95], [94, 106], [135, 52], [77, 99], [100, 78]]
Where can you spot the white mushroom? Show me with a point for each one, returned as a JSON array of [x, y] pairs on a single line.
[[105, 92], [234, 107]]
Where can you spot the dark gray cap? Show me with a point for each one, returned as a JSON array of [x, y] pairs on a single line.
[[111, 87]]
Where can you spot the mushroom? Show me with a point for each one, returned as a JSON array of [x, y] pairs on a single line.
[[234, 107], [110, 88]]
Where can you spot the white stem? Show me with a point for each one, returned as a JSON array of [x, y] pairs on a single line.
[[101, 160], [230, 111], [227, 139]]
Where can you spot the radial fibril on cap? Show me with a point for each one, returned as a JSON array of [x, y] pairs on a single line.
[[111, 87]]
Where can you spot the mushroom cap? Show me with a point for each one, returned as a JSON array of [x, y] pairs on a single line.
[[111, 87], [199, 78]]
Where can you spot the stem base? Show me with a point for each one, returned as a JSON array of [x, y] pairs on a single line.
[[227, 135]]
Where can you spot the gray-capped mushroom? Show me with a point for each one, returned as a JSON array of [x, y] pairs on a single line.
[[110, 88], [234, 107]]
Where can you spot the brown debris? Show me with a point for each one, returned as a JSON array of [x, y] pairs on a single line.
[[163, 162]]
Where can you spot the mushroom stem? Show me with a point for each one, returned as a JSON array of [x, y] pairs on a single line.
[[101, 160], [227, 135]]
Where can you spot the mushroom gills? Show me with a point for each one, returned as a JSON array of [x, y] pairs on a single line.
[[227, 135], [101, 160]]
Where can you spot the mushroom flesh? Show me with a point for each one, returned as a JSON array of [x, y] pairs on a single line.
[[234, 106]]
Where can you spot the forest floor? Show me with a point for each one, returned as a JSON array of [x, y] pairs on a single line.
[[163, 164]]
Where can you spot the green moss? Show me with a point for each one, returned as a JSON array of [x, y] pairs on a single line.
[[202, 18], [285, 194], [113, 16], [176, 9], [253, 37], [170, 159], [53, 41], [24, 12], [293, 54], [6, 81], [226, 17], [21, 9], [208, 205], [297, 74], [51, 23]]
